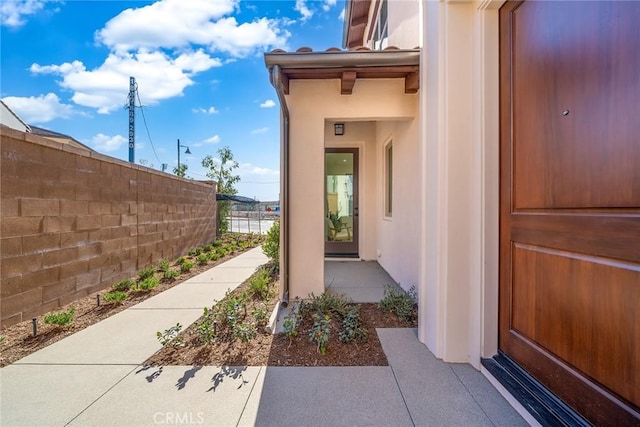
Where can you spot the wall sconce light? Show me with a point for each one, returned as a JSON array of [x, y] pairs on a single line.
[[338, 128]]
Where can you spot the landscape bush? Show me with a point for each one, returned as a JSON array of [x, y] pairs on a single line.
[[61, 319], [402, 304]]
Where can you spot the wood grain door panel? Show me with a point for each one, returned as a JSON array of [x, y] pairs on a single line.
[[570, 201]]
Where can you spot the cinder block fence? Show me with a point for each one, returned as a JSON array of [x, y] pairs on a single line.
[[74, 222]]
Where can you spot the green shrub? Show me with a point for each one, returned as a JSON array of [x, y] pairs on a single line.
[[203, 259], [171, 336], [208, 248], [170, 275], [259, 284], [148, 284], [402, 304], [207, 328], [123, 285], [244, 331], [61, 319], [145, 273], [260, 315], [116, 297], [2, 338], [163, 266], [325, 303], [186, 266], [320, 331], [271, 245], [352, 326], [181, 260]]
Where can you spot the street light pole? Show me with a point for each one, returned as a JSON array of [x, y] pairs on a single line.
[[186, 152]]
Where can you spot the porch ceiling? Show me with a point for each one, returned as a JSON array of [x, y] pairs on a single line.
[[348, 66]]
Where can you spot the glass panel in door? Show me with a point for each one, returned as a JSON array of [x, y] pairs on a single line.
[[341, 202]]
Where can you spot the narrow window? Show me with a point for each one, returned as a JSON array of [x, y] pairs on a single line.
[[381, 32], [388, 161]]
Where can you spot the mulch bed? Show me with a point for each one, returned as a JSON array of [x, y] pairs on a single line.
[[20, 342]]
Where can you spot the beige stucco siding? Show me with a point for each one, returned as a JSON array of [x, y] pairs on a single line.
[[398, 239], [404, 23], [314, 105]]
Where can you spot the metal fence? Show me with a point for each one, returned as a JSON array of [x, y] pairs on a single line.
[[252, 217]]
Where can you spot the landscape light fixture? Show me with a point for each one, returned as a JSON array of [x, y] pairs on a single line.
[[338, 128], [185, 152]]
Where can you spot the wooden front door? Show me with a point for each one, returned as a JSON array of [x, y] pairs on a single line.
[[570, 201]]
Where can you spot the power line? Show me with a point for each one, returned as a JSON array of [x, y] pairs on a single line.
[[144, 119]]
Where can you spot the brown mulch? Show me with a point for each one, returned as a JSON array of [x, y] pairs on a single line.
[[20, 342], [264, 349], [277, 350]]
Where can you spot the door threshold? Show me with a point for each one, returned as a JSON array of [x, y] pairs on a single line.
[[342, 257], [537, 399]]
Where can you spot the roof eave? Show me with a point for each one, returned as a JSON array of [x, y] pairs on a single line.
[[352, 59]]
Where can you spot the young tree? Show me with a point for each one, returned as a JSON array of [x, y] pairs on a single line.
[[221, 170], [181, 170]]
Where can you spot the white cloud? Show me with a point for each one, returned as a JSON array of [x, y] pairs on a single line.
[[249, 169], [341, 16], [13, 12], [210, 110], [178, 24], [301, 6], [268, 104], [259, 131], [39, 109], [105, 88], [328, 4], [213, 140], [106, 143]]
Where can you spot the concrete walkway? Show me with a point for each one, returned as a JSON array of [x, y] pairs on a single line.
[[96, 378], [362, 281]]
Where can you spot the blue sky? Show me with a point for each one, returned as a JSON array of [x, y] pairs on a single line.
[[199, 66]]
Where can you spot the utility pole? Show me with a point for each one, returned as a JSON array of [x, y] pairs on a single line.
[[132, 118]]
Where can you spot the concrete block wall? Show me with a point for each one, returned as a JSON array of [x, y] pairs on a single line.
[[74, 222]]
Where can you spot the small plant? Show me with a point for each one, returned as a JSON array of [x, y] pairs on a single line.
[[163, 266], [402, 304], [208, 248], [171, 336], [325, 303], [233, 308], [186, 266], [271, 245], [2, 338], [207, 329], [259, 284], [290, 325], [61, 319], [192, 252], [260, 314], [116, 297], [181, 260], [244, 331], [148, 284], [203, 259], [213, 256], [320, 331], [123, 285], [145, 273], [352, 326], [170, 275]]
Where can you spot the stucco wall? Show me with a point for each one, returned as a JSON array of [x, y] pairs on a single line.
[[313, 103], [74, 222], [404, 23], [397, 239]]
